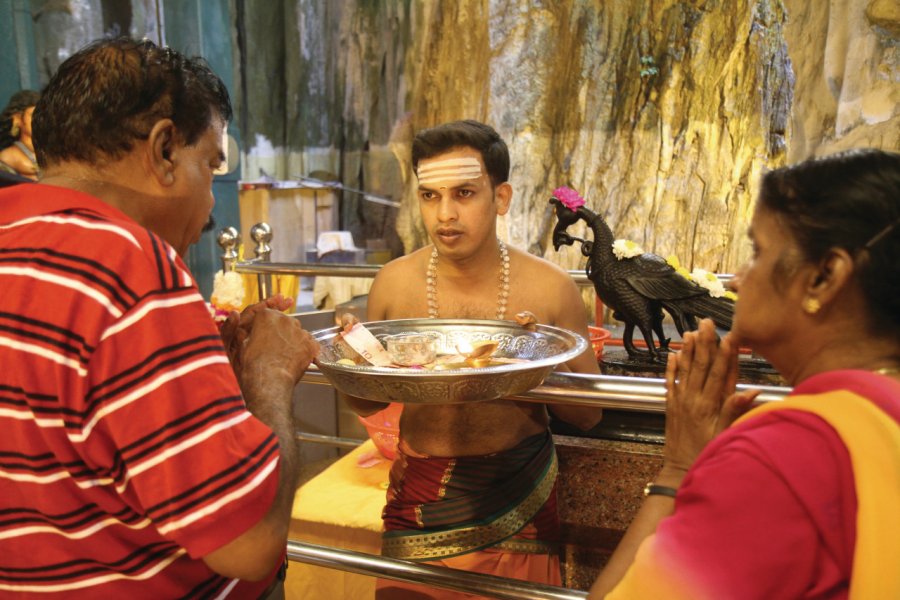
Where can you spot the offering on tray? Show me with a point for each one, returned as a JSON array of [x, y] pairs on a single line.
[[412, 349], [366, 345], [416, 351], [474, 360]]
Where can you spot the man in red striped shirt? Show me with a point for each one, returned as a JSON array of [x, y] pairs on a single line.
[[135, 460]]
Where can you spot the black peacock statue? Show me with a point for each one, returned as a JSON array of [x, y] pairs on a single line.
[[639, 288]]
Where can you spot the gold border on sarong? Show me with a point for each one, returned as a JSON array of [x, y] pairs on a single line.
[[448, 473], [453, 542], [523, 546]]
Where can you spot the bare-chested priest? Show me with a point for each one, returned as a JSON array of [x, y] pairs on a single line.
[[474, 484]]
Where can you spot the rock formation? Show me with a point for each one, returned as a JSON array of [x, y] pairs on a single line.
[[663, 114]]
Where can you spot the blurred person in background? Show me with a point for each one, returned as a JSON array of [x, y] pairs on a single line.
[[16, 146]]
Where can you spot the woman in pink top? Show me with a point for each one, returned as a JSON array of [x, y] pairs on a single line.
[[796, 499]]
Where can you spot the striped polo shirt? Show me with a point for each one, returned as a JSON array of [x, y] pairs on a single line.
[[126, 450]]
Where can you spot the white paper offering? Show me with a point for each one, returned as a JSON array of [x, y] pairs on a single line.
[[362, 340]]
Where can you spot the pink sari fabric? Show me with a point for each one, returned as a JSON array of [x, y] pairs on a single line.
[[769, 509]]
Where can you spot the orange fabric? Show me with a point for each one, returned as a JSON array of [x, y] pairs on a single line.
[[538, 568], [868, 433], [655, 575]]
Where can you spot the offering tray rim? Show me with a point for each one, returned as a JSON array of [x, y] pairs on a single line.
[[419, 385]]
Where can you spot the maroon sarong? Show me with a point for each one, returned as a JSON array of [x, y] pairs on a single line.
[[442, 507]]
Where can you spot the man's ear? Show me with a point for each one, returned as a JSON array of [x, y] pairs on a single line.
[[833, 274], [18, 123], [503, 194], [161, 151]]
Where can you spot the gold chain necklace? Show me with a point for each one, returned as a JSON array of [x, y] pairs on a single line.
[[502, 295]]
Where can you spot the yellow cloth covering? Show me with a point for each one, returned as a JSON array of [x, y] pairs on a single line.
[[341, 507], [286, 285]]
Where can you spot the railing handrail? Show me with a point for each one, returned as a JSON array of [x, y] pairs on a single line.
[[433, 576], [642, 394], [606, 391], [256, 267], [347, 270]]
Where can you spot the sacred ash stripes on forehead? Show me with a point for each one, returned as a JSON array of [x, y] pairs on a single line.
[[450, 169]]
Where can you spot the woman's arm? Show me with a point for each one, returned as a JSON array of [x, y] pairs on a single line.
[[700, 403]]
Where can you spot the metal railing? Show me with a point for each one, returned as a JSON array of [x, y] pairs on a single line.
[[346, 270], [604, 391], [330, 440], [641, 394], [340, 270], [308, 269], [638, 394], [439, 577]]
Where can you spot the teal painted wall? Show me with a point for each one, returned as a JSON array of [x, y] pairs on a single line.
[[18, 66], [194, 27], [203, 28]]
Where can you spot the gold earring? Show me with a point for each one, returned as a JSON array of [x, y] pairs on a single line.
[[811, 306], [14, 130]]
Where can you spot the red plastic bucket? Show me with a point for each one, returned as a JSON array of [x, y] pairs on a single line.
[[384, 429], [598, 337]]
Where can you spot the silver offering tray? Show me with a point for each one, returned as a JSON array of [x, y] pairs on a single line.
[[543, 349]]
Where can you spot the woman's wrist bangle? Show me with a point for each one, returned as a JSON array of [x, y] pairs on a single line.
[[651, 489]]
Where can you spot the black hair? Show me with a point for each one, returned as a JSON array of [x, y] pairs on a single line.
[[459, 134], [111, 92], [18, 102], [849, 200]]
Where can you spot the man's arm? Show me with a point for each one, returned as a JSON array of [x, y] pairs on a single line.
[[276, 354], [236, 328], [700, 403], [376, 310], [653, 510], [570, 315]]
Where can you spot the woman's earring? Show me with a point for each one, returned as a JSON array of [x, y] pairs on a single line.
[[14, 130], [811, 306]]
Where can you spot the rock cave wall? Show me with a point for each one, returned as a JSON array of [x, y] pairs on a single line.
[[662, 113]]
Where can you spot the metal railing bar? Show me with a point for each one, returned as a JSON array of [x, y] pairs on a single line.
[[330, 440], [439, 577], [605, 391], [347, 270], [643, 394], [340, 270], [307, 269]]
